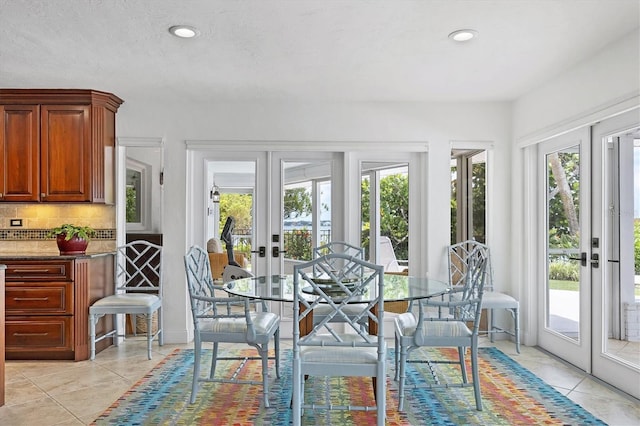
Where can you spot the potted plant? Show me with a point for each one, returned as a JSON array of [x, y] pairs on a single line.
[[72, 239]]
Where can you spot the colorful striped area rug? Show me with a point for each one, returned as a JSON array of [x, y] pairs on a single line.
[[512, 395]]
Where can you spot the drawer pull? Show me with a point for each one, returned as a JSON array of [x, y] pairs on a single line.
[[30, 334], [23, 299], [39, 271]]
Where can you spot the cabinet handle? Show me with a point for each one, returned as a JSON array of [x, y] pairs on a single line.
[[40, 271], [30, 334], [22, 299], [43, 195]]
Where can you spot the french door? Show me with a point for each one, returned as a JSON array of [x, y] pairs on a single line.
[[565, 288], [616, 222], [590, 249], [251, 187]]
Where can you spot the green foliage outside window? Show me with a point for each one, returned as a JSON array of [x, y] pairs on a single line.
[[394, 212], [132, 213], [636, 251], [239, 206], [564, 211], [478, 188], [297, 202], [298, 243]]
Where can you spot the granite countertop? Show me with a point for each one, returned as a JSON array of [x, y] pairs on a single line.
[[51, 256]]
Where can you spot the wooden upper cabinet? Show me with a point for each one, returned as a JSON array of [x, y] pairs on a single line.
[[19, 153], [57, 145], [65, 153]]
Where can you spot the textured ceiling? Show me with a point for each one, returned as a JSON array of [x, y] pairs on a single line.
[[323, 50]]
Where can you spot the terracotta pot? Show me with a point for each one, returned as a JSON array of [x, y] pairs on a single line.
[[74, 246]]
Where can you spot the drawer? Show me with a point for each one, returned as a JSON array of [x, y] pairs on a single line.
[[33, 298], [28, 333], [38, 270]]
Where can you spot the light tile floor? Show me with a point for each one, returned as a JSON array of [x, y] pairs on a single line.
[[75, 393]]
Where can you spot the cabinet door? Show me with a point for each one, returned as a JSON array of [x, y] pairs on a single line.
[[65, 153], [19, 153]]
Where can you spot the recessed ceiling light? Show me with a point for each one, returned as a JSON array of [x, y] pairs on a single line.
[[463, 35], [183, 31]]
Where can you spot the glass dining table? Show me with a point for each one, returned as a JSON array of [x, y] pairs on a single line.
[[399, 291]]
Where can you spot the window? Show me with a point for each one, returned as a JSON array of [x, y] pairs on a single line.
[[468, 195], [138, 195]]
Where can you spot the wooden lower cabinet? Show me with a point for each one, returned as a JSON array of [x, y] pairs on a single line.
[[2, 268], [47, 305]]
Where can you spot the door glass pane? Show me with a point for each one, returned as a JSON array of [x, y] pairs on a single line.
[[231, 194], [622, 319], [306, 212], [238, 205], [563, 242], [385, 214], [297, 220], [324, 201], [636, 217]]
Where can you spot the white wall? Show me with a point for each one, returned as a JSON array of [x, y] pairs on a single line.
[[303, 123], [589, 91]]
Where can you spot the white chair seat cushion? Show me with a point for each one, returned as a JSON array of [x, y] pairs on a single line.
[[262, 323], [495, 300], [408, 322], [127, 299], [339, 354]]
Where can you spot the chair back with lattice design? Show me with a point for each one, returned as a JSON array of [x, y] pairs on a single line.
[[459, 257], [138, 267]]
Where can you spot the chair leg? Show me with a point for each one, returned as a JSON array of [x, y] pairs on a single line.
[[516, 323], [276, 349], [381, 399], [92, 336], [197, 346], [402, 364], [395, 357], [298, 391], [149, 335], [264, 354], [476, 376], [214, 360], [160, 330], [492, 326], [463, 365], [117, 327]]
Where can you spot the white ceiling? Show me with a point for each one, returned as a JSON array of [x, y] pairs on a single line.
[[320, 50]]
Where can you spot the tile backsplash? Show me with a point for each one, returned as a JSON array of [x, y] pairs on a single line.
[[37, 219]]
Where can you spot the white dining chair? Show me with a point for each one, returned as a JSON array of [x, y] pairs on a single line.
[[338, 348], [458, 258], [218, 318], [457, 327], [138, 276]]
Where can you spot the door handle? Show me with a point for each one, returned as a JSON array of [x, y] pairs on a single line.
[[275, 251], [262, 251], [582, 258]]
